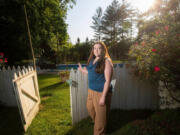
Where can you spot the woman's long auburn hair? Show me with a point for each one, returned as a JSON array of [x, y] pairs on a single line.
[[101, 62]]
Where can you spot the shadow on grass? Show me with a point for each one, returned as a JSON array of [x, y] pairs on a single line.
[[10, 122], [53, 87], [117, 119]]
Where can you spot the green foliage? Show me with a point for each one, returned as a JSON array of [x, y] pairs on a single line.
[[120, 49], [13, 33], [47, 25], [78, 52]]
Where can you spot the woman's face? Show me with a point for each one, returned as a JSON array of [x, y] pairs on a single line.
[[98, 50]]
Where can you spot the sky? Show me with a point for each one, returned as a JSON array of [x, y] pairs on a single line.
[[79, 18]]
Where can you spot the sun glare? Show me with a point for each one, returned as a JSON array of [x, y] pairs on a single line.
[[142, 5]]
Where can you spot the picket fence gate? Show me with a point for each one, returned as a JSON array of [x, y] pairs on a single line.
[[19, 88]]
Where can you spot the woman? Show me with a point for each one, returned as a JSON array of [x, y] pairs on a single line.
[[100, 71]]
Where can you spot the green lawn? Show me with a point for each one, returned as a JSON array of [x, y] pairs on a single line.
[[54, 116]]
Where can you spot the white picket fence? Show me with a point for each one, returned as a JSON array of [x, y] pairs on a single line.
[[7, 95], [129, 93]]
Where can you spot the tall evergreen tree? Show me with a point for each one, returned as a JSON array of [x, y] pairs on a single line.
[[116, 22], [87, 40], [78, 41], [97, 23], [110, 23], [126, 14]]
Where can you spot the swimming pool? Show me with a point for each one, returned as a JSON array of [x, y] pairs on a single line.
[[75, 66]]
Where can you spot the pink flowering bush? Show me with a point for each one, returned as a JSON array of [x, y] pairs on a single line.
[[158, 56], [3, 60]]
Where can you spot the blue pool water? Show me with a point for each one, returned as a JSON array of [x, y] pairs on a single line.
[[75, 66]]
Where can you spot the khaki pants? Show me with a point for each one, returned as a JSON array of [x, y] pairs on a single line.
[[99, 114]]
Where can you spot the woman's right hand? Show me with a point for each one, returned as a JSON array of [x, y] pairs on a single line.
[[80, 67], [83, 70]]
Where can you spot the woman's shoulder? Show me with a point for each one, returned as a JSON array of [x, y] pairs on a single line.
[[108, 61], [107, 58]]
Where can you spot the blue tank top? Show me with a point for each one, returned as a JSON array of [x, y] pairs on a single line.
[[95, 80]]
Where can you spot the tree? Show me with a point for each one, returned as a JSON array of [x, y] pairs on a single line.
[[116, 22], [78, 41], [13, 34], [127, 17], [87, 40], [110, 23], [47, 25], [97, 23]]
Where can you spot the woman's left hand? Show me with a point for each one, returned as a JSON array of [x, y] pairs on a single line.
[[102, 101]]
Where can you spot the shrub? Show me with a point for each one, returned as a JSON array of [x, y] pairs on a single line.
[[158, 57], [64, 75]]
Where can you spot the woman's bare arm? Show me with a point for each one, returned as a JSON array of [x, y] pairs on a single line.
[[108, 76], [83, 70]]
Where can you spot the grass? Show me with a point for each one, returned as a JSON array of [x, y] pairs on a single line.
[[54, 116]]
